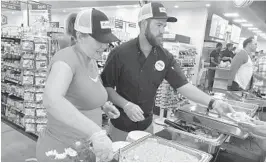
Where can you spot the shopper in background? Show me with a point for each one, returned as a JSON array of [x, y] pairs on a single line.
[[227, 54], [234, 52], [214, 62], [241, 70], [137, 68], [74, 93]]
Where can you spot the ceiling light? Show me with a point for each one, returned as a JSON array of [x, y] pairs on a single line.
[[64, 10], [13, 12], [135, 5], [118, 6], [247, 25], [239, 20], [231, 15], [176, 6], [208, 5], [252, 28]]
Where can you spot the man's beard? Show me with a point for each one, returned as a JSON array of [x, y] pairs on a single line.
[[151, 38]]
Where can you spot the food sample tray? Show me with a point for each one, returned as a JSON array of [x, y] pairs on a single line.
[[155, 149]]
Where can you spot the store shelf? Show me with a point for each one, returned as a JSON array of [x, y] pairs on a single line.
[[19, 128], [15, 109], [11, 38], [13, 80], [11, 68]]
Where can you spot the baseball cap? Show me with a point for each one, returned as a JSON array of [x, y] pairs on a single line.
[[96, 23], [154, 10]]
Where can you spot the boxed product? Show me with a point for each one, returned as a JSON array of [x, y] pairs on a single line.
[[27, 45], [40, 106], [28, 73], [40, 81], [30, 112], [41, 64], [30, 89], [41, 112], [28, 55], [28, 80], [41, 56], [41, 48], [29, 127], [27, 63], [40, 127], [41, 74], [39, 97], [29, 119], [30, 104], [39, 90], [29, 96], [41, 120]]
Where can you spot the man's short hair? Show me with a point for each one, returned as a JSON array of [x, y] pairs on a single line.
[[229, 45], [219, 44], [248, 40]]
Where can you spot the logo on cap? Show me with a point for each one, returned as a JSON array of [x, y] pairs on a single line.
[[105, 24], [162, 9]]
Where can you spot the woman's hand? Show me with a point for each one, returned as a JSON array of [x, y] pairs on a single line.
[[111, 111], [102, 146]]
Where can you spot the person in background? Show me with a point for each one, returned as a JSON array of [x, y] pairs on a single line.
[[135, 69], [241, 70], [227, 54], [214, 62], [74, 93], [234, 51]]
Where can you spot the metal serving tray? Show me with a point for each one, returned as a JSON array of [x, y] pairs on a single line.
[[197, 114], [209, 145], [245, 97], [202, 156]]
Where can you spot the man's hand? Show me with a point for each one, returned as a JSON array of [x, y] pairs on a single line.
[[257, 129], [222, 107], [111, 111], [134, 112]]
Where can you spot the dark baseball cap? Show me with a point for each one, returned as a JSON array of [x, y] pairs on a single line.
[[154, 10], [96, 23]]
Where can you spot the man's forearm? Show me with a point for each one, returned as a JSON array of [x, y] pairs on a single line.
[[115, 98], [194, 94]]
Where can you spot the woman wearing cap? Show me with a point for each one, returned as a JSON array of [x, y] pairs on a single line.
[[74, 91]]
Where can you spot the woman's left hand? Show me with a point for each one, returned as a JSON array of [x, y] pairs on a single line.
[[111, 111]]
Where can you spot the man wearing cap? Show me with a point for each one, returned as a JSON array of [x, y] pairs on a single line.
[[134, 71]]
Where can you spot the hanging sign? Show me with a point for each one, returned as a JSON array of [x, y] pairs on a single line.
[[132, 25], [39, 7], [3, 19], [119, 24], [54, 24], [11, 5]]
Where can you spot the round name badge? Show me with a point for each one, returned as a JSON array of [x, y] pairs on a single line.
[[159, 65]]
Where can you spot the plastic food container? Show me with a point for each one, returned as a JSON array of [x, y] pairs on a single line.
[[118, 145], [136, 135]]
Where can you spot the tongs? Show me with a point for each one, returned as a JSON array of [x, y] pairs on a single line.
[[177, 126]]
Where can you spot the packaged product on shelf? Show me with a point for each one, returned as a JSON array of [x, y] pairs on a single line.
[[28, 55], [19, 105], [40, 127], [27, 63], [29, 112], [29, 127], [29, 89], [28, 73], [22, 122], [29, 96], [10, 102], [27, 45], [41, 56], [41, 65], [41, 112], [41, 120], [28, 80], [39, 90], [40, 40], [29, 119], [40, 106], [40, 81], [30, 104], [41, 74], [39, 97], [41, 48]]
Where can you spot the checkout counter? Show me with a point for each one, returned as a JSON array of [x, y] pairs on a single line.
[[220, 79]]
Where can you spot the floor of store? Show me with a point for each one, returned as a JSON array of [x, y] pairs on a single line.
[[15, 147]]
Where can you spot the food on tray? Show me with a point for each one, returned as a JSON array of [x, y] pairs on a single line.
[[240, 117], [153, 151]]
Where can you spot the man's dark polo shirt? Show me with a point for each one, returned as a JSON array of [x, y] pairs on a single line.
[[136, 79]]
